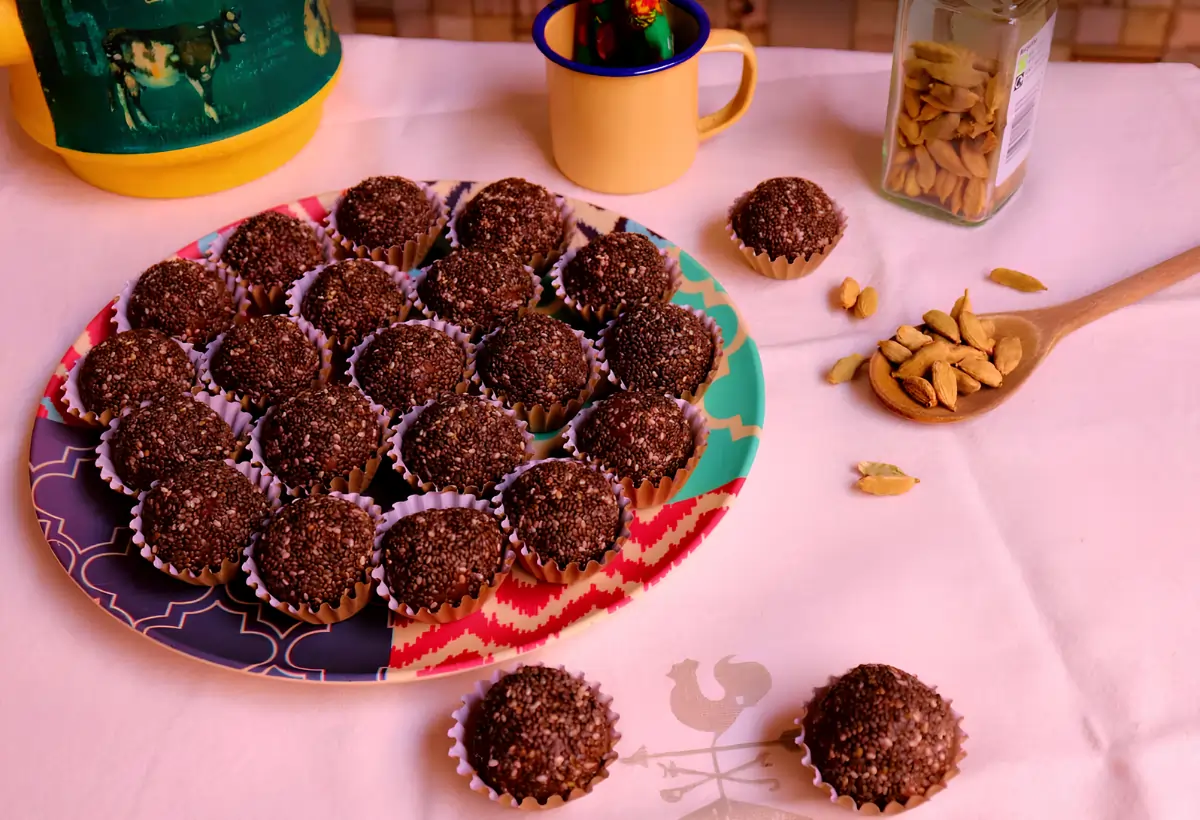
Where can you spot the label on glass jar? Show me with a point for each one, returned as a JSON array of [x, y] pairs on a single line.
[[1026, 90]]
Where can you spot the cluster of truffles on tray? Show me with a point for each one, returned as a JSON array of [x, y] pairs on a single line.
[[250, 399]]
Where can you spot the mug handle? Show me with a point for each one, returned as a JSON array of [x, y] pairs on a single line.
[[724, 39]]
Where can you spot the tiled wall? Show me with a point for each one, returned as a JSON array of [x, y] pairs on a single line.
[[1137, 30]]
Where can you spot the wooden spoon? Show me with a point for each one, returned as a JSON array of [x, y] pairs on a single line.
[[1039, 331]]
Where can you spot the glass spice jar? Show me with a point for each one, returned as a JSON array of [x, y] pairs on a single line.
[[966, 78]]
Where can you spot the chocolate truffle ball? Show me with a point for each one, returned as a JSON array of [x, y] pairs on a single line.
[[564, 511], [318, 434], [350, 299], [315, 550], [639, 436], [155, 441], [615, 270], [272, 249], [879, 735], [382, 212], [437, 557], [182, 298], [132, 367], [513, 216], [265, 358], [407, 365], [788, 217], [462, 441], [476, 290], [660, 348], [539, 732], [202, 516], [534, 359]]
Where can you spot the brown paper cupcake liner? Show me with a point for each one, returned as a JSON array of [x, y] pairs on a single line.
[[73, 399], [648, 493], [603, 314], [208, 381], [845, 801], [444, 613], [549, 571], [406, 256], [271, 299], [460, 733], [693, 396], [229, 568], [780, 267], [539, 262], [356, 481], [299, 288], [351, 603], [452, 330], [418, 276], [396, 453], [237, 292]]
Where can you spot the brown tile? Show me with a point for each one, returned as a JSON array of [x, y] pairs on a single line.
[[493, 29], [1099, 26], [1187, 30], [1146, 27]]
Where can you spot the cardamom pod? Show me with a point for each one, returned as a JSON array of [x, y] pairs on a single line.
[[975, 197], [983, 370], [1007, 355], [912, 187], [989, 143], [894, 352], [912, 102], [956, 197], [945, 386], [927, 113], [973, 158], [909, 128], [935, 52], [879, 468], [887, 484], [922, 360], [867, 303], [963, 303], [967, 384], [958, 73], [960, 352], [845, 369], [926, 169], [912, 338], [848, 293], [943, 154], [921, 391], [944, 185], [950, 98], [1016, 280], [943, 127], [896, 176], [973, 332], [940, 322]]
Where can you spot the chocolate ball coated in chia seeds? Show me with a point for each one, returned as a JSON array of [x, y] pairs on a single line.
[[349, 299], [408, 364], [788, 217], [639, 436], [441, 556], [318, 434], [382, 212], [272, 249], [182, 298], [201, 516], [462, 441], [660, 348], [315, 550], [534, 359], [132, 367], [617, 269], [539, 732], [879, 735], [265, 358], [564, 511], [476, 290], [513, 216], [155, 441]]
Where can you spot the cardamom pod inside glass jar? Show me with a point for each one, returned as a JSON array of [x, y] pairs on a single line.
[[966, 79]]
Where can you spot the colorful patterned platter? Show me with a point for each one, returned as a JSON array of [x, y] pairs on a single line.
[[86, 525]]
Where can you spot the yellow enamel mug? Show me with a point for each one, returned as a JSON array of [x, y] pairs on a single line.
[[631, 130]]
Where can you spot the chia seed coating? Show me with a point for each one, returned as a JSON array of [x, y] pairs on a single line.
[[617, 269], [564, 511], [788, 217], [408, 365], [538, 733], [350, 299], [315, 550], [318, 434], [381, 212], [462, 441], [272, 249], [265, 358], [881, 735], [182, 298], [660, 348], [201, 516], [132, 367], [534, 359], [441, 556], [638, 436], [513, 216], [476, 290], [156, 441]]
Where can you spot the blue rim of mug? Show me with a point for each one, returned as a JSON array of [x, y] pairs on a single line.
[[689, 6]]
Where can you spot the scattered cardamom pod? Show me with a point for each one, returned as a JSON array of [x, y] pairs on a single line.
[[1016, 280], [912, 338], [983, 370], [963, 303], [867, 303], [945, 385], [1008, 354], [940, 322], [894, 352], [967, 384], [845, 369], [922, 360], [887, 484], [973, 332], [848, 293], [920, 391], [959, 352], [879, 468]]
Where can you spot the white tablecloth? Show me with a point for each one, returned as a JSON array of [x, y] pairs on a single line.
[[1043, 575]]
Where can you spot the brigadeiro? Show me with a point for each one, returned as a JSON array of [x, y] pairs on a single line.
[[389, 219], [408, 364], [613, 271], [662, 348], [266, 358], [878, 735], [516, 217], [195, 524], [477, 290], [462, 443], [182, 298], [315, 557], [125, 370], [268, 252], [786, 227], [538, 733], [348, 300], [321, 436]]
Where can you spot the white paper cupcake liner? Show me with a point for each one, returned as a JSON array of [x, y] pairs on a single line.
[[299, 288], [267, 300], [237, 293], [73, 399], [603, 314], [780, 267], [418, 276], [538, 262], [406, 256], [718, 340]]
